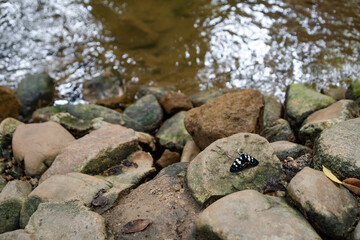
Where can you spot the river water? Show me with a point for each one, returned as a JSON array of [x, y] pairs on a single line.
[[193, 45]]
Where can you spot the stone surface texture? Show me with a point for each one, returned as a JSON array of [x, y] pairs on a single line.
[[20, 234], [168, 158], [174, 102], [7, 129], [272, 110], [278, 130], [284, 149], [202, 97], [9, 104], [190, 151]]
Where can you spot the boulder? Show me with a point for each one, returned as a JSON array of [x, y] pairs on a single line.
[[163, 201], [7, 129], [278, 130], [272, 110], [158, 92], [38, 144], [331, 209], [200, 98], [190, 151], [20, 234], [172, 133], [12, 198], [284, 149], [301, 101], [250, 215], [174, 102], [66, 220], [209, 175], [35, 91], [168, 158], [9, 104], [224, 116], [147, 112], [95, 152], [318, 121], [336, 93], [337, 148]]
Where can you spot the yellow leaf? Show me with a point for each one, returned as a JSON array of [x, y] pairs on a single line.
[[330, 175]]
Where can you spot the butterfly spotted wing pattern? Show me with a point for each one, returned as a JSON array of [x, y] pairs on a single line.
[[242, 161]]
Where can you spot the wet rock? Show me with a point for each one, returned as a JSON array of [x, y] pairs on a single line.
[[147, 112], [284, 149], [7, 129], [12, 198], [174, 102], [35, 91], [190, 151], [336, 93], [318, 121], [168, 158], [38, 144], [170, 208], [61, 188], [209, 175], [158, 92], [224, 116], [278, 130], [337, 148], [94, 152], [66, 220], [250, 215], [20, 234], [200, 98], [331, 209], [353, 92], [272, 110], [9, 104], [172, 133], [301, 101]]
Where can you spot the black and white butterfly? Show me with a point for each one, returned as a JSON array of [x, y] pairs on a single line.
[[242, 161]]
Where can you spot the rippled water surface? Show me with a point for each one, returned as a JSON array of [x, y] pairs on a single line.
[[194, 45]]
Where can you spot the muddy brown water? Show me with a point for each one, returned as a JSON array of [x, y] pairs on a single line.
[[191, 44]]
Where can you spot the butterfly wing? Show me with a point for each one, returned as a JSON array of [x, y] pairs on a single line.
[[242, 161]]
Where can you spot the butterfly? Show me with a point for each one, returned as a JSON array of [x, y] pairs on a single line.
[[242, 161]]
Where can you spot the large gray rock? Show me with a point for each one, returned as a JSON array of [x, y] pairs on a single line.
[[7, 129], [20, 234], [338, 149], [12, 199], [250, 215], [284, 149], [9, 104], [95, 152], [66, 220], [38, 144], [209, 175], [278, 130], [331, 209]]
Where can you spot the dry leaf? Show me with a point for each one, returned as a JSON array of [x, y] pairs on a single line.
[[330, 175], [353, 184], [137, 225]]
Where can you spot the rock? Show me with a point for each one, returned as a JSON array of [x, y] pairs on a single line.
[[200, 98], [146, 112], [336, 93], [95, 152], [7, 129], [66, 220], [318, 121], [158, 92], [190, 151], [168, 158], [224, 116], [209, 175], [356, 233], [172, 133], [20, 234], [2, 183], [164, 201], [35, 91], [330, 208], [250, 215], [272, 110], [301, 101], [38, 144], [9, 104], [337, 148], [284, 149], [278, 130], [174, 102], [61, 188], [353, 92], [12, 198], [147, 141]]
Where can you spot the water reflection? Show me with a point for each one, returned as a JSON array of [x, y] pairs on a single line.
[[194, 45]]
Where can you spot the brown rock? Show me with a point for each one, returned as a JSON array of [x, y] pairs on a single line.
[[224, 116], [9, 104], [168, 158], [174, 102]]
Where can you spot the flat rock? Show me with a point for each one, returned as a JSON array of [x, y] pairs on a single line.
[[172, 133], [209, 175], [278, 130], [224, 116], [338, 149], [164, 201], [38, 144], [9, 104], [250, 215], [190, 151], [200, 98], [318, 121], [66, 220], [168, 158], [174, 102], [20, 234], [7, 129], [272, 110], [331, 209], [12, 198], [284, 149], [301, 101]]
